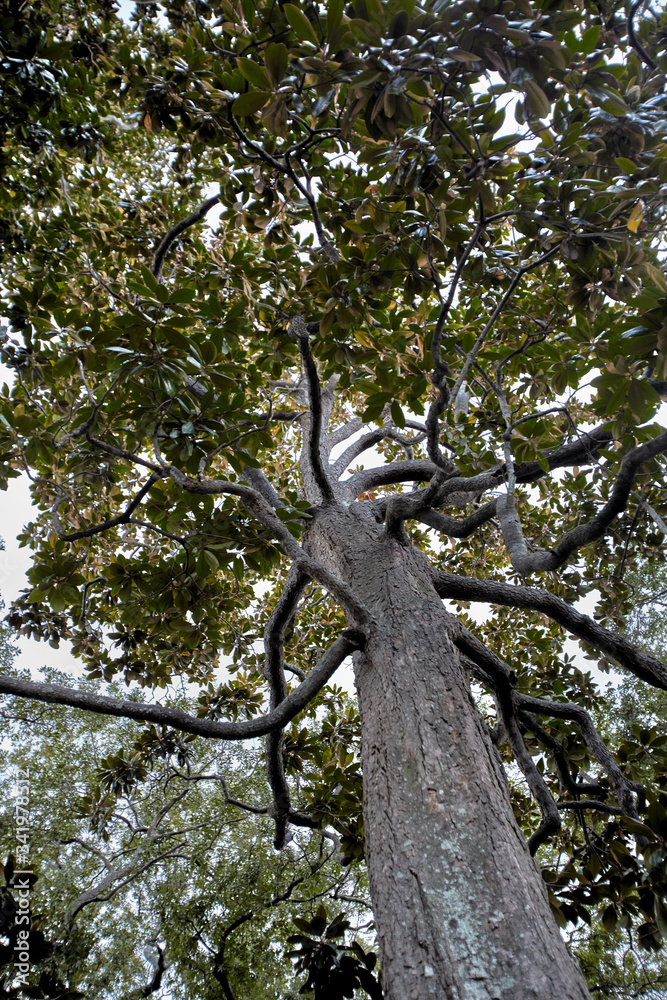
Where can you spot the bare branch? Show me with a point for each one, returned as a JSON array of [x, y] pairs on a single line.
[[342, 433], [167, 242], [496, 671], [579, 452], [111, 449], [458, 529], [259, 482], [474, 351], [96, 529], [56, 694], [593, 804], [274, 671], [299, 330], [643, 665], [624, 790], [530, 562], [369, 441], [632, 37], [420, 470], [116, 880], [551, 821]]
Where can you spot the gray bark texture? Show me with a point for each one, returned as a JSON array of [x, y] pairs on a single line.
[[461, 909]]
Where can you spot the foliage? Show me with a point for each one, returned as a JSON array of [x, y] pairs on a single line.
[[194, 881], [462, 205]]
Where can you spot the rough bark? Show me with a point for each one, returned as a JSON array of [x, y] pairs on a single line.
[[461, 909]]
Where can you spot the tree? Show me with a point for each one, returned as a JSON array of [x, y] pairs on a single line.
[[155, 866], [393, 267]]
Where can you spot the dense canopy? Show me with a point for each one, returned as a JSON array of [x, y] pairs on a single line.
[[319, 315]]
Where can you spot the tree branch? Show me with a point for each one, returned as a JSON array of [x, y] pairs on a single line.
[[369, 441], [299, 331], [458, 529], [357, 613], [56, 694], [583, 450], [274, 671], [643, 665], [167, 242], [632, 37], [342, 433], [530, 562], [624, 790], [95, 529], [551, 821], [474, 351]]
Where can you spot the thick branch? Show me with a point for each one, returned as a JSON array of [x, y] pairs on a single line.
[[274, 671], [643, 665], [579, 452], [454, 528], [56, 694], [419, 470], [299, 330], [495, 670], [531, 562], [168, 241], [342, 433], [369, 441]]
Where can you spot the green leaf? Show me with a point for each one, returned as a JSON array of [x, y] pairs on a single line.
[[538, 102], [589, 40], [300, 24], [275, 60], [250, 103], [254, 74], [334, 15]]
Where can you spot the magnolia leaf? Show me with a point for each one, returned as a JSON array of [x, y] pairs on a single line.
[[250, 103]]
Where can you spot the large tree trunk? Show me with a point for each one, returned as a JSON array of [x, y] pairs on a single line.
[[461, 910]]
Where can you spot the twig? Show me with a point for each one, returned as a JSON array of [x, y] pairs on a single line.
[[96, 529]]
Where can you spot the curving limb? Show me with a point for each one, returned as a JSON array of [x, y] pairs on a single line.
[[582, 451], [343, 432], [458, 529], [286, 169], [558, 753], [369, 441], [530, 562], [299, 331], [55, 694], [643, 665], [632, 36], [625, 790], [167, 242], [551, 821], [274, 671], [515, 708], [258, 506], [96, 529]]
